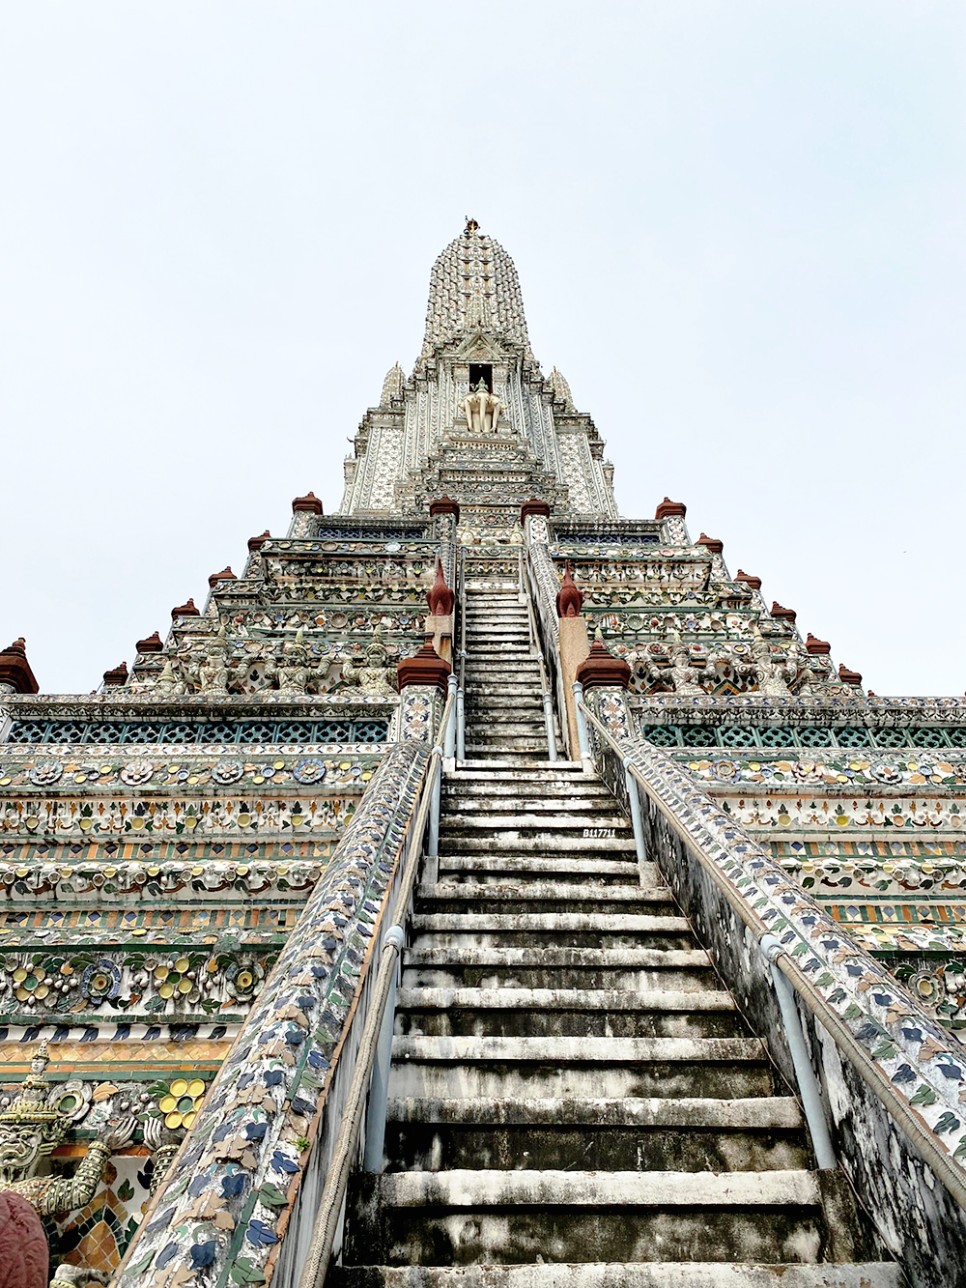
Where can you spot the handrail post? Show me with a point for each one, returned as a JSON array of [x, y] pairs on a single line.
[[379, 1087], [548, 720], [432, 841], [461, 713], [772, 948], [449, 734], [583, 741], [634, 799]]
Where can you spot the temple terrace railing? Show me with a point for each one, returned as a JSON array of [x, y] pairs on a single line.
[[239, 1203], [893, 1081]]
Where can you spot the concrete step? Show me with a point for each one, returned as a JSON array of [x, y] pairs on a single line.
[[548, 929], [501, 819], [510, 730], [510, 842], [566, 1012], [583, 810], [645, 969], [515, 868], [565, 770], [545, 896], [763, 1133], [664, 1274], [562, 1216], [518, 794], [507, 1067]]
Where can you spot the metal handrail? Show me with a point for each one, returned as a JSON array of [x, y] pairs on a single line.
[[461, 655], [326, 1224], [526, 589]]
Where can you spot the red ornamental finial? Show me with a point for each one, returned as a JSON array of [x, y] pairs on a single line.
[[426, 668], [715, 546], [748, 578], [117, 676], [226, 574], [668, 509], [150, 644], [600, 669], [439, 596], [185, 610], [309, 504], [814, 645], [15, 669], [256, 543], [849, 677], [783, 614], [570, 598]]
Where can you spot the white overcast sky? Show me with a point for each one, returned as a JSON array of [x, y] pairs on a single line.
[[739, 229]]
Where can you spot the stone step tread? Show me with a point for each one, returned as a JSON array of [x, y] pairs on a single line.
[[477, 796], [524, 922], [506, 820], [490, 771], [494, 1049], [473, 1189], [595, 958], [562, 999], [645, 1274], [750, 1113], [509, 842], [539, 890], [588, 866]]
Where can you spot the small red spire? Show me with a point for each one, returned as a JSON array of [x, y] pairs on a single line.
[[15, 669], [600, 669], [570, 597], [783, 614], [439, 596], [426, 668], [185, 610], [308, 504], [444, 505], [226, 574], [814, 645], [117, 676], [535, 507], [668, 509], [748, 578], [150, 644], [849, 677], [256, 543], [715, 546]]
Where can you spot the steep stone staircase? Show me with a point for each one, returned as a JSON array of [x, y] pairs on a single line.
[[574, 1098]]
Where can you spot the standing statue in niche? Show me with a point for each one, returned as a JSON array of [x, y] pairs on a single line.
[[684, 674], [294, 667], [375, 676], [771, 669], [482, 410]]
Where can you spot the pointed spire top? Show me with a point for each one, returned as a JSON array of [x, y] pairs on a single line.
[[474, 285]]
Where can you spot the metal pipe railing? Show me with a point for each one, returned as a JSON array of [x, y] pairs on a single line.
[[545, 693], [460, 646], [374, 1040], [785, 981]]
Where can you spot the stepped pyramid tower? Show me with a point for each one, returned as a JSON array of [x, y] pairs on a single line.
[[482, 889]]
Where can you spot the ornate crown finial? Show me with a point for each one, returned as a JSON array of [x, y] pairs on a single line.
[[471, 225]]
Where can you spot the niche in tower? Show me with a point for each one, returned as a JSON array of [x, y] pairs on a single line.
[[481, 371]]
